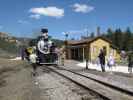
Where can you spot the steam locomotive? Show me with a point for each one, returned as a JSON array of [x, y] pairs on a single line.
[[46, 50]]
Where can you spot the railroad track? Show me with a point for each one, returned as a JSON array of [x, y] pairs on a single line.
[[103, 89], [124, 90]]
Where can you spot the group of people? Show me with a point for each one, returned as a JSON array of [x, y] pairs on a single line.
[[111, 61]]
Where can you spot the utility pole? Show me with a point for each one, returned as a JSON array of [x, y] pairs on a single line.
[[66, 42]]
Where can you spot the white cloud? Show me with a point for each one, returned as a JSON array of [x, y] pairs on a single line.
[[74, 32], [23, 22], [48, 11], [35, 16], [82, 8]]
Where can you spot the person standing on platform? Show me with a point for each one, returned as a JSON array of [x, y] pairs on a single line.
[[62, 56], [111, 62], [102, 60], [130, 62]]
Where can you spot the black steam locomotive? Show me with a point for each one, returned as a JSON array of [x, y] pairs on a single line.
[[46, 50]]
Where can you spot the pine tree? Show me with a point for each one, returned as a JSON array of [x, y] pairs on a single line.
[[118, 38], [123, 40], [92, 35], [127, 39], [110, 34]]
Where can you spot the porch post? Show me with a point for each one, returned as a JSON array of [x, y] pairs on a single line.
[[78, 50], [83, 54]]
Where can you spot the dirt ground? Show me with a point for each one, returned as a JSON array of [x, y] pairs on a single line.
[[56, 87], [16, 82]]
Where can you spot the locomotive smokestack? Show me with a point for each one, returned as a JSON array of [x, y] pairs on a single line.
[[44, 30], [45, 33]]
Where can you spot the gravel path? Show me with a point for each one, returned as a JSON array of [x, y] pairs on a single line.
[[101, 89], [119, 78], [16, 82], [55, 87]]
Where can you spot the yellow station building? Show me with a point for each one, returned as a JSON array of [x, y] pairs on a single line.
[[90, 48]]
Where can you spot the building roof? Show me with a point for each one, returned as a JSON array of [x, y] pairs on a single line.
[[89, 40], [85, 41]]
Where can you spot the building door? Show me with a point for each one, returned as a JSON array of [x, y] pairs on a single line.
[[105, 50]]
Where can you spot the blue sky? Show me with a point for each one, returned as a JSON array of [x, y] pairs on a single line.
[[25, 17]]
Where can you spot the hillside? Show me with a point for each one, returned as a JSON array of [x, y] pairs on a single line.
[[6, 54], [8, 45], [7, 48]]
